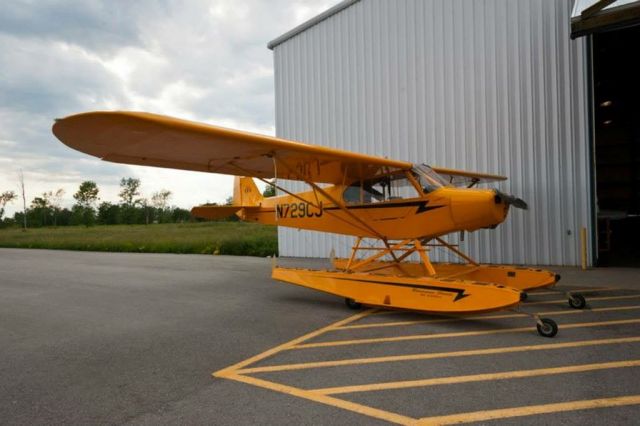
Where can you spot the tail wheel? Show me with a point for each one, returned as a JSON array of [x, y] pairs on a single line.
[[524, 296], [577, 301], [547, 327], [352, 304]]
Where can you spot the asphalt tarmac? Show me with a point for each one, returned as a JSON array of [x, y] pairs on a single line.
[[134, 338]]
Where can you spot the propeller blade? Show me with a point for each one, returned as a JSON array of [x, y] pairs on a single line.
[[510, 200]]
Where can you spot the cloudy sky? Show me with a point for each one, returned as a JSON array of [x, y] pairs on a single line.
[[203, 60]]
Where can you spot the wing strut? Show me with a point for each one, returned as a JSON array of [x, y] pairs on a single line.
[[297, 197], [330, 198], [346, 210]]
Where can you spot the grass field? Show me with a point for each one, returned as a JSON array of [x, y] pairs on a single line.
[[235, 238]]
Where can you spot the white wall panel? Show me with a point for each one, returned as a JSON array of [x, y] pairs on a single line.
[[488, 85]]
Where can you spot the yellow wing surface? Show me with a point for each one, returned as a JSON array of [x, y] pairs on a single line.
[[155, 140], [465, 178]]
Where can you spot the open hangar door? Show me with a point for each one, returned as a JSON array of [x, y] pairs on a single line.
[[616, 85], [614, 31]]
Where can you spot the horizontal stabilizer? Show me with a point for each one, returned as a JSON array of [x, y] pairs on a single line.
[[214, 212]]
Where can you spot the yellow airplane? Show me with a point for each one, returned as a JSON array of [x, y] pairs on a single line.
[[404, 207]]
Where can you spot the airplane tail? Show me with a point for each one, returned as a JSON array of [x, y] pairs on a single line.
[[246, 196], [246, 193]]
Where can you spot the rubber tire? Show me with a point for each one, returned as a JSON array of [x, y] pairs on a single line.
[[524, 296], [577, 301], [352, 304], [548, 329]]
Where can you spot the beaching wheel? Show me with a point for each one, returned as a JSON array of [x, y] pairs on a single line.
[[547, 327], [352, 304]]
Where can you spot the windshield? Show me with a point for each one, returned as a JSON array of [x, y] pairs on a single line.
[[429, 179]]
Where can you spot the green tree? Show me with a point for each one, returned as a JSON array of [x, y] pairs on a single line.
[[160, 202], [64, 217], [54, 200], [5, 198], [269, 191], [86, 197], [87, 194], [108, 213], [179, 215], [146, 210], [39, 212], [129, 189]]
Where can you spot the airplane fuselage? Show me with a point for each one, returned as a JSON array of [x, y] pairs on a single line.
[[437, 213]]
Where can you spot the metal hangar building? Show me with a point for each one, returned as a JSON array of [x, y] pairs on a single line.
[[536, 90]]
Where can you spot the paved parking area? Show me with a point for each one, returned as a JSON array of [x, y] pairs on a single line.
[[407, 368], [127, 338]]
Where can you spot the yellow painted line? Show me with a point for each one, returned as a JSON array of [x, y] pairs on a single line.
[[395, 311], [323, 399], [400, 312], [286, 345], [482, 416], [581, 290], [478, 377], [548, 302], [614, 308], [430, 321], [448, 335], [437, 355], [481, 317]]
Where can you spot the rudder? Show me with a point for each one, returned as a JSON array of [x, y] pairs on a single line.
[[245, 192]]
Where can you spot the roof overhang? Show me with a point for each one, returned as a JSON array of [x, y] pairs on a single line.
[[590, 16], [310, 23]]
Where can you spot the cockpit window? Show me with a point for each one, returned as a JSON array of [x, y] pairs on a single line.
[[383, 188], [428, 178]]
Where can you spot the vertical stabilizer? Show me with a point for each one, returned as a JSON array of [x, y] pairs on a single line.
[[245, 192]]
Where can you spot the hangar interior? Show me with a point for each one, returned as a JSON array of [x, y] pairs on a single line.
[[617, 145]]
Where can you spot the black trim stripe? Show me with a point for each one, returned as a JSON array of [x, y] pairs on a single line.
[[460, 292], [422, 206]]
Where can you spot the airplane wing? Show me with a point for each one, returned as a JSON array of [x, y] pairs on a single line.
[[160, 141], [465, 178]]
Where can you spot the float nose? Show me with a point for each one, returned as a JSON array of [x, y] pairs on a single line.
[[509, 200]]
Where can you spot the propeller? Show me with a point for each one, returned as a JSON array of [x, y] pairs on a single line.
[[510, 200]]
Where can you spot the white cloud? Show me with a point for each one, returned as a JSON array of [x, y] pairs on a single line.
[[204, 60]]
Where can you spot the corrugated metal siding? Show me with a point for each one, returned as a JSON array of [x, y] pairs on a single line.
[[489, 85]]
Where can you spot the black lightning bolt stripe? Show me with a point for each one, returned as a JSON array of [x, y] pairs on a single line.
[[460, 292], [422, 206]]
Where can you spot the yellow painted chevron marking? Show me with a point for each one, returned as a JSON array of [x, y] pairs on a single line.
[[456, 334], [483, 317], [436, 355], [481, 416], [478, 377], [323, 399]]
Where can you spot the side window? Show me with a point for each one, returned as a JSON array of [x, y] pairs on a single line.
[[380, 189], [352, 194]]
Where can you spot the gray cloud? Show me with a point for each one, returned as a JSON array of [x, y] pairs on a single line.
[[101, 26], [202, 60]]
